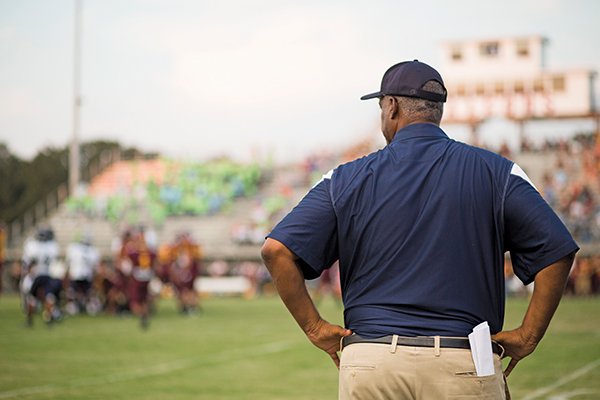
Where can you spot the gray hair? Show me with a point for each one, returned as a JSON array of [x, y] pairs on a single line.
[[421, 109]]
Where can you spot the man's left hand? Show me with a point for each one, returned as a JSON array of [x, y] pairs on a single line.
[[517, 345]]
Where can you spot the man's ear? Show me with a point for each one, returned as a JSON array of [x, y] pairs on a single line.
[[393, 107]]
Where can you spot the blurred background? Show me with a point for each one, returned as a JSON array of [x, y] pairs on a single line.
[[190, 128], [213, 118]]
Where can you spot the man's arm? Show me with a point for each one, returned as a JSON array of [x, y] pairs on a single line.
[[549, 287], [289, 281]]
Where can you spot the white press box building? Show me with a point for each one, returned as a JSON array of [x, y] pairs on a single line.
[[509, 78]]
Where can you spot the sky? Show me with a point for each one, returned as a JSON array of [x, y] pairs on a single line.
[[198, 79]]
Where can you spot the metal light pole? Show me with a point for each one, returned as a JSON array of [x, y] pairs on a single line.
[[74, 148]]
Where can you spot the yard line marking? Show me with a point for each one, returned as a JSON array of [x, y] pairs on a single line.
[[27, 391], [574, 393], [154, 370], [574, 375]]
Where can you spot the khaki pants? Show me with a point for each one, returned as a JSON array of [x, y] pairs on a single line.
[[372, 371]]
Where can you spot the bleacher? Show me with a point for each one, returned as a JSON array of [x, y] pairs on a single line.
[[534, 164], [212, 227], [87, 215], [213, 232]]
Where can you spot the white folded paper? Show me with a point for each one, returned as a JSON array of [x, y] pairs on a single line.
[[481, 349]]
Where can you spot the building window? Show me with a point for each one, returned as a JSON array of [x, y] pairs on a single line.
[[460, 90], [538, 86], [456, 54], [519, 87], [522, 48], [489, 49], [479, 89], [499, 88], [558, 83]]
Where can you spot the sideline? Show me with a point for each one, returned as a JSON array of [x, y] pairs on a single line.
[[574, 375], [159, 369]]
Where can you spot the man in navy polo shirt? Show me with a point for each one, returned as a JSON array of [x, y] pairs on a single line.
[[420, 229]]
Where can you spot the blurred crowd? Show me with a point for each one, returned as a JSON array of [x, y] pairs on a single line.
[[584, 279], [570, 181], [572, 186], [162, 188]]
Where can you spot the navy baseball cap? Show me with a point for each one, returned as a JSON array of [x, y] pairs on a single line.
[[406, 79]]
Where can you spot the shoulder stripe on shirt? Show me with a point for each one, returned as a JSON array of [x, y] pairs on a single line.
[[518, 171], [326, 176]]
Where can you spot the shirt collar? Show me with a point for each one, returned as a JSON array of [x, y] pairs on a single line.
[[419, 131]]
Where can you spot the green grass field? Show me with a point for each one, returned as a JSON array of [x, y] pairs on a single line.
[[244, 349]]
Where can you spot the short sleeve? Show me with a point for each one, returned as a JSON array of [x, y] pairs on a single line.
[[310, 231], [534, 234]]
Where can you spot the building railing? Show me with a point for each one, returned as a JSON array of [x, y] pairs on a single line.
[[40, 211]]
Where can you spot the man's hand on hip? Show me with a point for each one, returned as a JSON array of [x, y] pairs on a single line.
[[517, 345], [327, 337], [549, 286]]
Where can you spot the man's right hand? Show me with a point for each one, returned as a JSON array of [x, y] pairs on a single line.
[[327, 337], [289, 281]]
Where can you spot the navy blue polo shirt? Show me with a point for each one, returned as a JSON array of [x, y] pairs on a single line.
[[420, 229]]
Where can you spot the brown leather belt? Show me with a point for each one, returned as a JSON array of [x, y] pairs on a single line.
[[418, 341]]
